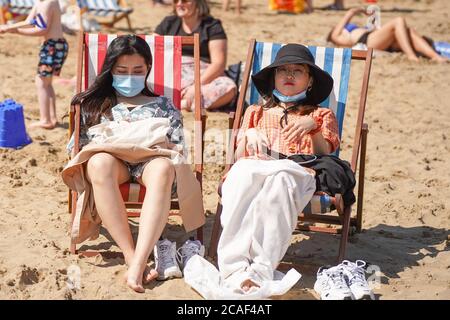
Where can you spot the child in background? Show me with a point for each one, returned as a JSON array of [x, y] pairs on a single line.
[[52, 55]]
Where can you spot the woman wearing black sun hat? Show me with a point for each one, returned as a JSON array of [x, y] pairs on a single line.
[[261, 198]]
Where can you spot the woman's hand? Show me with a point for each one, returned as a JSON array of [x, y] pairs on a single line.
[[294, 131], [188, 94], [256, 142]]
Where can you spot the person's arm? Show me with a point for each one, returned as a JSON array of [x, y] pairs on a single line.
[[326, 140], [46, 14], [337, 36], [322, 128], [250, 141], [218, 54], [320, 145]]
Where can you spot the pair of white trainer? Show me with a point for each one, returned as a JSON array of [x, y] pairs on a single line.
[[168, 259], [346, 281]]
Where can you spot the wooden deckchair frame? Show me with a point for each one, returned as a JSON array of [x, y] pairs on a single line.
[[344, 217], [199, 129]]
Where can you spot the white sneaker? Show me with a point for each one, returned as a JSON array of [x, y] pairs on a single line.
[[189, 249], [165, 260], [356, 279], [331, 284]]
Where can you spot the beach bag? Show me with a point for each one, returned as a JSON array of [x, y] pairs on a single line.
[[333, 175], [235, 72], [292, 6]]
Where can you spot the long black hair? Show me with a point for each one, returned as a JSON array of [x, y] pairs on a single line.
[[100, 97]]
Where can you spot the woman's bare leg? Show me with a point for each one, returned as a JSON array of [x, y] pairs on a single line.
[[158, 177], [106, 173], [422, 46], [393, 31]]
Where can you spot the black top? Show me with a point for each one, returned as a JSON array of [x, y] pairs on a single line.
[[209, 29]]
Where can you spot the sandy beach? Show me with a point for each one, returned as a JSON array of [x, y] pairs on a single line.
[[406, 217]]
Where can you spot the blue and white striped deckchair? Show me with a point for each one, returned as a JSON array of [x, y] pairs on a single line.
[[335, 61], [112, 10], [17, 7]]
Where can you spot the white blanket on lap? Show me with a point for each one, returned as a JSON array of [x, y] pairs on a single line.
[[144, 133], [261, 201]]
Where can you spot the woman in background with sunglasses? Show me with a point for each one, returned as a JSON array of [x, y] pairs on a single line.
[[190, 17]]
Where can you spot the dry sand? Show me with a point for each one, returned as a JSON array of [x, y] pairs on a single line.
[[406, 205]]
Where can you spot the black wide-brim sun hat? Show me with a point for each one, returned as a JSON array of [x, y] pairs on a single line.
[[295, 54]]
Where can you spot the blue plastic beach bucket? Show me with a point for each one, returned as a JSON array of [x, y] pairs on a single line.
[[12, 125]]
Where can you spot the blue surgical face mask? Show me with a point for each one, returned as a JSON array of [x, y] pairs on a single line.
[[286, 99], [128, 85]]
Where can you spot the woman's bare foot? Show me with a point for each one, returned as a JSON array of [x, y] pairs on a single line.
[[413, 58], [43, 125], [247, 285], [134, 278], [440, 59]]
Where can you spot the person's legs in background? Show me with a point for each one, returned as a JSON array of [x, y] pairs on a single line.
[[422, 46], [47, 104], [395, 32], [218, 93]]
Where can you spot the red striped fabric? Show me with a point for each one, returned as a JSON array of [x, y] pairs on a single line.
[[102, 48], [165, 76], [159, 66], [177, 72], [125, 192]]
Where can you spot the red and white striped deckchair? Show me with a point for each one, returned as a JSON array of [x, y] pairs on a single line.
[[164, 80]]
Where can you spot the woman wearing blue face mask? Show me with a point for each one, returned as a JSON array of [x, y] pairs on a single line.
[[119, 93]]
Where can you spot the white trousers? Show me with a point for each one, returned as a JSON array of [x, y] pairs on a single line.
[[261, 201]]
